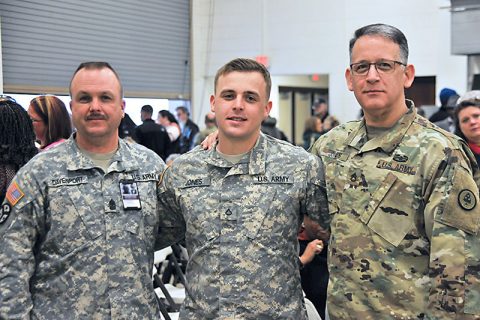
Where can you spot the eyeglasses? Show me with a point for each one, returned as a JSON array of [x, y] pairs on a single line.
[[382, 67]]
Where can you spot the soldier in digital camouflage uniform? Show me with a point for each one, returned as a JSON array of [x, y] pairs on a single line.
[[79, 222], [242, 204], [402, 197]]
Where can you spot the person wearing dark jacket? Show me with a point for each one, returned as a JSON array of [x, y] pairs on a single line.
[[189, 129], [269, 126], [444, 116], [152, 135]]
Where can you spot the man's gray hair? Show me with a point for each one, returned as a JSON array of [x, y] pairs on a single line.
[[386, 31]]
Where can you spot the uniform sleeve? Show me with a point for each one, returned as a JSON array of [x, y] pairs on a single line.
[[172, 224], [452, 216], [316, 204], [18, 234]]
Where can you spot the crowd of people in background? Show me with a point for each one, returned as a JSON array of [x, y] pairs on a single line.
[[45, 124]]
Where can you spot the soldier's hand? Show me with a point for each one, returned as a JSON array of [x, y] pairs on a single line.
[[209, 141]]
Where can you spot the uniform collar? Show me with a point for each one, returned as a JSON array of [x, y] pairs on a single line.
[[252, 163], [122, 160], [390, 140]]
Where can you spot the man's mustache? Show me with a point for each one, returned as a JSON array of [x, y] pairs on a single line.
[[96, 116]]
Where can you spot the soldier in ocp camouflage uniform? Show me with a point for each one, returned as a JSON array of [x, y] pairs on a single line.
[[242, 204], [79, 222], [402, 197]]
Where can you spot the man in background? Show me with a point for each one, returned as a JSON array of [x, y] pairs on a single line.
[[210, 127], [189, 129], [444, 116], [152, 135]]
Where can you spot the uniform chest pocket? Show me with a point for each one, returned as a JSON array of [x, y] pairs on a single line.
[[71, 240], [275, 211], [390, 210]]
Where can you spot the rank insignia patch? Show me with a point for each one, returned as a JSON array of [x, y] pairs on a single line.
[[467, 200], [14, 194]]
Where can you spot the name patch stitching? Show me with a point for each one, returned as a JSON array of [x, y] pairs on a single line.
[[395, 166], [273, 179], [66, 181]]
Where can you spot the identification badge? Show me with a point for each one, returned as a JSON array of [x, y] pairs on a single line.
[[130, 196]]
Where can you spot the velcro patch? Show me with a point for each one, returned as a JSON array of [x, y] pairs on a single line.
[[273, 179], [396, 166], [14, 193], [466, 199], [197, 182], [5, 212]]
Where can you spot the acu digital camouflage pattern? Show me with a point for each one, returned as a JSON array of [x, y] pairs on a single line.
[[405, 221], [242, 223], [69, 250]]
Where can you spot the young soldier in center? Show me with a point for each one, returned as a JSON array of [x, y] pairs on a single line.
[[241, 205]]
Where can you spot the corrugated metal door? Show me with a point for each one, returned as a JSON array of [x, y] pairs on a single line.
[[147, 42]]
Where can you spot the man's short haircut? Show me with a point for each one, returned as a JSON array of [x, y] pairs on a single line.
[[318, 102], [183, 109], [147, 109], [245, 65], [385, 31], [96, 65]]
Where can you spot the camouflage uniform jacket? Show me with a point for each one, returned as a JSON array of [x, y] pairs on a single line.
[[405, 222], [68, 248], [242, 223]]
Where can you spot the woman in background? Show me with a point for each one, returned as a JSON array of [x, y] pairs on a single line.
[[167, 119], [467, 120], [313, 130], [17, 141], [51, 121]]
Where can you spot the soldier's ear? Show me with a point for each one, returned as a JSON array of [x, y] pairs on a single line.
[[212, 103]]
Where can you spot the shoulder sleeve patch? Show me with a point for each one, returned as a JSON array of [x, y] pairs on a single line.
[[14, 193], [462, 210], [466, 199]]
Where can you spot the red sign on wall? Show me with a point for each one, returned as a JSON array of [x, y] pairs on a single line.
[[263, 60]]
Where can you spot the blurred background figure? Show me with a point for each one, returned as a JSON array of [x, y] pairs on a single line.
[[51, 121], [467, 120], [210, 127], [17, 141], [420, 111], [313, 130], [269, 126], [189, 129], [152, 135], [126, 130], [313, 242], [320, 110], [167, 119], [444, 116]]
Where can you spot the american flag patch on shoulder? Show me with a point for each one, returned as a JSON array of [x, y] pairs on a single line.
[[14, 193]]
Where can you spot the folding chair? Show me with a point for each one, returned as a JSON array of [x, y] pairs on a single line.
[[166, 292]]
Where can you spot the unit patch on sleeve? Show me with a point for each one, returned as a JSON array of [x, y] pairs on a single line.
[[466, 199], [14, 193]]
